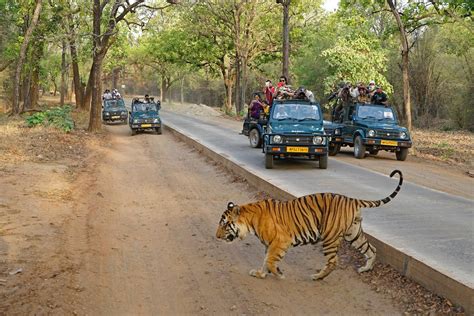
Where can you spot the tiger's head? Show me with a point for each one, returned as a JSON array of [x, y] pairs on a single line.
[[228, 228]]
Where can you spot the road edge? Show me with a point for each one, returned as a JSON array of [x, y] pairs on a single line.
[[405, 264]]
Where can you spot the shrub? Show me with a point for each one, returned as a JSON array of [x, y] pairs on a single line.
[[58, 117]]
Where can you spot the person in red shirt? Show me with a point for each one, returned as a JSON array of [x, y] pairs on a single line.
[[269, 92]]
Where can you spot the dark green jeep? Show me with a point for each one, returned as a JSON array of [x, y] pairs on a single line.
[[114, 110], [144, 116], [368, 127], [295, 131]]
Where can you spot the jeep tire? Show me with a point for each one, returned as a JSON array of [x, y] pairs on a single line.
[[323, 162], [255, 138], [359, 148], [402, 154], [158, 130], [334, 149], [134, 132], [268, 161]]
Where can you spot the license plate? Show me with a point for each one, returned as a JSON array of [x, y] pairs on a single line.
[[297, 149], [389, 143], [146, 125], [115, 117]]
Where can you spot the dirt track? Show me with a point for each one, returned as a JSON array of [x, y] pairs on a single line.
[[150, 248], [133, 233]]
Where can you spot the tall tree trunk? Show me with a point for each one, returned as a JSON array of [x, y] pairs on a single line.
[[63, 74], [405, 64], [243, 83], [78, 86], [95, 122], [115, 77], [86, 101], [238, 86], [34, 89], [16, 90], [286, 39], [182, 91]]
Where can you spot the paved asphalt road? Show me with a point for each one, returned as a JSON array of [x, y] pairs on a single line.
[[434, 227]]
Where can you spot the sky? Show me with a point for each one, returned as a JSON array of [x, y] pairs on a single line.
[[330, 5]]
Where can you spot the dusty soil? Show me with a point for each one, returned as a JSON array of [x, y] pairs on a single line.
[[125, 225]]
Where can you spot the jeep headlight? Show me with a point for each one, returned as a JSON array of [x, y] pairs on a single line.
[[318, 140], [135, 120], [277, 139], [371, 133], [123, 113], [403, 135], [337, 131], [106, 113], [156, 120]]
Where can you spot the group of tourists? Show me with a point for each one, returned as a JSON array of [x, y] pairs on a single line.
[[260, 107], [114, 94], [360, 93], [348, 94]]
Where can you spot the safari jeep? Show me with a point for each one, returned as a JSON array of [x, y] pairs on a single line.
[[145, 116], [369, 127], [295, 131], [254, 129], [114, 110]]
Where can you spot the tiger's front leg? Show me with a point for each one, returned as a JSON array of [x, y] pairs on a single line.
[[274, 254]]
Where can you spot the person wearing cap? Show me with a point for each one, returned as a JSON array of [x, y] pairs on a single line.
[[379, 96]]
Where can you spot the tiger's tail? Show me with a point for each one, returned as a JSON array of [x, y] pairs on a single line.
[[377, 203]]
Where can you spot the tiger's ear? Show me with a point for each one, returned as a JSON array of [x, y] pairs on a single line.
[[230, 206]]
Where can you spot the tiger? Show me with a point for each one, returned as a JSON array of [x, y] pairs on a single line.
[[329, 218]]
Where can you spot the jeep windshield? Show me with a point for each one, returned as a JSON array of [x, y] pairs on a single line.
[[144, 107], [374, 112], [114, 104], [296, 112]]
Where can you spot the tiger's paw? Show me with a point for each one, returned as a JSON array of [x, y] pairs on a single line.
[[316, 276], [257, 274], [364, 269]]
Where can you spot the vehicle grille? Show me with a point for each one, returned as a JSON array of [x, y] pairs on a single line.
[[115, 113], [388, 134], [297, 140]]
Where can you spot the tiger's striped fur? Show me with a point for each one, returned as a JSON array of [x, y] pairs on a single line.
[[326, 217]]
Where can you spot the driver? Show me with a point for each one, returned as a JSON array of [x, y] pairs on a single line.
[[281, 113]]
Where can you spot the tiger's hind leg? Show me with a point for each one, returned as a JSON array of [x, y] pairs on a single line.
[[330, 249], [356, 237], [275, 252]]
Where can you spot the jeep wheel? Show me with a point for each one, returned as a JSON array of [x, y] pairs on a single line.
[[255, 139], [359, 148], [373, 152], [268, 161], [402, 154], [134, 132], [158, 130], [334, 149], [323, 162]]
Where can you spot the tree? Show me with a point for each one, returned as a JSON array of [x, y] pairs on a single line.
[[110, 14], [21, 59]]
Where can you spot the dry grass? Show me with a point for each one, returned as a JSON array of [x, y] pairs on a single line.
[[454, 147], [39, 144]]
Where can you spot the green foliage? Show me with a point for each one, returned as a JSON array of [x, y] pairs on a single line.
[[58, 117], [356, 60]]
